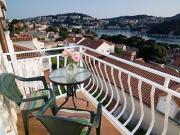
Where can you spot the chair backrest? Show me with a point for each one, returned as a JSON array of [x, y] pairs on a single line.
[[9, 88], [60, 126], [64, 126]]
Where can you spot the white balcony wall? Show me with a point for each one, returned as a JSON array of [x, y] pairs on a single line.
[[161, 107], [8, 117]]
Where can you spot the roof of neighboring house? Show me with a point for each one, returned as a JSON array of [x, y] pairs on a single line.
[[77, 39], [70, 40], [94, 44], [146, 88], [18, 48], [110, 43], [21, 38], [139, 60], [24, 41], [128, 55], [51, 43], [26, 44], [177, 61]]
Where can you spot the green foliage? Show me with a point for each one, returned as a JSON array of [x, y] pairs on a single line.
[[121, 39], [135, 41], [15, 27], [63, 34], [153, 53], [166, 27], [54, 63], [118, 50], [117, 39], [89, 32], [52, 28], [76, 31], [41, 38]]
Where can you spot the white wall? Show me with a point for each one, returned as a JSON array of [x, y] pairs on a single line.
[[8, 117], [105, 48], [39, 45], [173, 107]]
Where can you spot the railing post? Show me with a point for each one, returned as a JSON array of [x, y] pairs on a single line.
[[167, 107], [65, 61], [81, 61]]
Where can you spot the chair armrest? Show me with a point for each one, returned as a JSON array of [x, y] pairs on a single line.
[[48, 104], [28, 99], [34, 98], [38, 78], [76, 109], [50, 90]]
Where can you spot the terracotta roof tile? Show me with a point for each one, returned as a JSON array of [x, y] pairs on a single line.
[[94, 44], [77, 39], [17, 39], [18, 48], [70, 40], [177, 61], [146, 88]]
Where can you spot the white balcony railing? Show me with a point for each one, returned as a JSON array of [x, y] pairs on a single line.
[[128, 91]]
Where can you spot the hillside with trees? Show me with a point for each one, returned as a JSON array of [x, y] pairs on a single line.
[[171, 25]]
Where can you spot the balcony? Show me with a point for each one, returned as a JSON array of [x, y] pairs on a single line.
[[106, 127], [136, 99]]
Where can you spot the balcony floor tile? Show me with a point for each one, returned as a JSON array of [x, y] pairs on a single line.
[[36, 128]]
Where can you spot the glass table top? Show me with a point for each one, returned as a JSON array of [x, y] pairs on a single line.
[[61, 76]]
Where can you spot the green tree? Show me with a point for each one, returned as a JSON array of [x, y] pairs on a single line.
[[76, 31], [63, 34], [92, 33], [118, 50], [153, 53], [16, 26], [52, 28], [135, 41], [117, 39]]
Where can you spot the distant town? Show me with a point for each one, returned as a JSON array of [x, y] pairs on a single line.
[[70, 73], [61, 29]]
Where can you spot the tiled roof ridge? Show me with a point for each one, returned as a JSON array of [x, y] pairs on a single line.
[[110, 43], [159, 67], [18, 48], [17, 39]]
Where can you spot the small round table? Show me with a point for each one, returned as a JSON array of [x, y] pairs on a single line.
[[60, 76]]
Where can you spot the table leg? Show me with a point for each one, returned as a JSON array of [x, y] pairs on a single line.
[[70, 93], [66, 100], [73, 101]]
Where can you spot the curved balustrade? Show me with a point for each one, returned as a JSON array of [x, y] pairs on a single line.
[[129, 99]]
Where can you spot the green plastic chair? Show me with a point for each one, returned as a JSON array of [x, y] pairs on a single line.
[[32, 102], [65, 122]]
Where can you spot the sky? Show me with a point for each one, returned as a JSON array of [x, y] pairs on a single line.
[[19, 9]]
